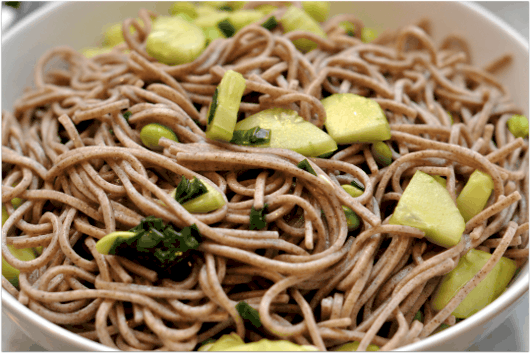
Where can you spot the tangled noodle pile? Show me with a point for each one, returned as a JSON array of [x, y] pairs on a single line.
[[68, 151]]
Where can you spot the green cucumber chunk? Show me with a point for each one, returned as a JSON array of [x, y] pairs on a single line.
[[319, 10], [210, 201], [427, 205], [475, 194], [212, 33], [296, 19], [251, 137], [232, 342], [242, 18], [368, 34], [225, 342], [222, 115], [270, 23], [226, 28], [113, 34], [441, 181], [266, 8], [352, 118], [352, 190], [518, 125], [211, 19], [175, 41], [290, 131], [104, 244], [183, 7], [484, 293], [352, 346], [11, 273]]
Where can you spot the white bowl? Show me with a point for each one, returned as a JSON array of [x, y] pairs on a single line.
[[79, 25]]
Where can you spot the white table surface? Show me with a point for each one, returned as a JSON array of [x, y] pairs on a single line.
[[511, 336]]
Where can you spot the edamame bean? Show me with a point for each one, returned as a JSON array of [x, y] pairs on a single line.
[[518, 125], [151, 133], [381, 153], [352, 219], [174, 41]]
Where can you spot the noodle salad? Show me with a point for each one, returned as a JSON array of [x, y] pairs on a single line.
[[259, 176]]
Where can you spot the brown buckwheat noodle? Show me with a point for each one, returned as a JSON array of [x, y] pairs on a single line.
[[80, 167]]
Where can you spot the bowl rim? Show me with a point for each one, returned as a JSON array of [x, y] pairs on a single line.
[[518, 288]]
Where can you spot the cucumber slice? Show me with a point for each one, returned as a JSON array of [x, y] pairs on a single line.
[[290, 131], [11, 273], [475, 194], [296, 19], [104, 244], [174, 41], [242, 18], [427, 205], [222, 115], [352, 118], [211, 20], [204, 203], [226, 28], [183, 7], [270, 24], [319, 10]]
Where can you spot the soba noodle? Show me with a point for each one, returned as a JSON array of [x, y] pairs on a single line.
[[68, 151]]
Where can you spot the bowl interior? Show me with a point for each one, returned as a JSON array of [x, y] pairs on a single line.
[[80, 24]]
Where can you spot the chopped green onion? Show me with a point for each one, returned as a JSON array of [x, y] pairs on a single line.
[[227, 28], [187, 190], [418, 316], [257, 218], [127, 115], [156, 246], [270, 24], [254, 136], [249, 313], [306, 166]]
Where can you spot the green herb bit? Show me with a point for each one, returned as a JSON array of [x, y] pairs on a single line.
[[257, 218], [249, 313], [418, 316], [213, 106], [227, 28], [157, 246], [270, 24], [127, 115], [254, 136], [187, 190], [13, 4], [306, 166], [518, 125]]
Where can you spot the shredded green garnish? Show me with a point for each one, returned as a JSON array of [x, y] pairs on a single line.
[[306, 166], [158, 246], [227, 28], [254, 136], [187, 190], [127, 115], [270, 24], [257, 218], [248, 313], [418, 316]]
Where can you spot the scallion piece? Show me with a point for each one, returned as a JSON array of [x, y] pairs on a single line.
[[248, 313], [227, 28], [188, 190], [257, 218], [306, 166], [270, 24]]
